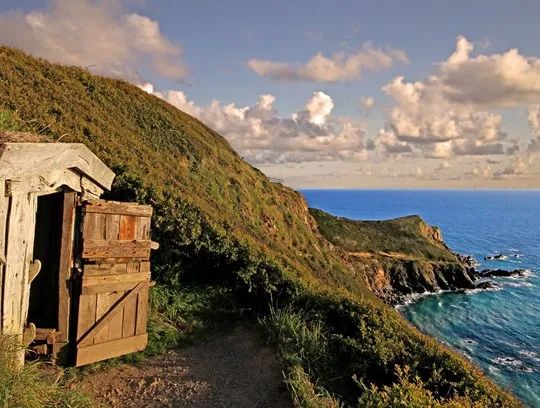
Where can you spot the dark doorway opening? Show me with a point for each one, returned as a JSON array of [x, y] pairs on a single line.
[[43, 307]]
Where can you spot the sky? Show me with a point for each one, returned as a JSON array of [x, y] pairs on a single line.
[[324, 94]]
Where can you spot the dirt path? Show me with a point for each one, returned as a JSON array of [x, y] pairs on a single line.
[[233, 370]]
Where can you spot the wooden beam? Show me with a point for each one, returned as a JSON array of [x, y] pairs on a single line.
[[109, 288], [108, 279], [20, 159], [20, 245], [45, 183], [65, 267], [115, 207], [104, 248], [87, 337], [111, 349]]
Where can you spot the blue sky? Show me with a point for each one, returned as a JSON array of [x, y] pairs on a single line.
[[218, 38]]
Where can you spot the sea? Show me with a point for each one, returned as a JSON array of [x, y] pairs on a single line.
[[498, 330]]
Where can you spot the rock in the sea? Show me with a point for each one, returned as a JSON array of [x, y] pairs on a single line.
[[485, 285], [499, 257], [493, 273]]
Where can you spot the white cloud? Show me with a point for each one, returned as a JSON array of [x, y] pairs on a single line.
[[446, 114], [97, 34], [443, 166], [262, 137], [534, 118], [517, 167], [319, 107], [367, 102], [340, 66]]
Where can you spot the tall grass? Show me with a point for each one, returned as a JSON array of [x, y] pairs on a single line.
[[30, 387], [303, 349]]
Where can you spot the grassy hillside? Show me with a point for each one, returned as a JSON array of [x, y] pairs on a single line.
[[409, 236], [222, 224]]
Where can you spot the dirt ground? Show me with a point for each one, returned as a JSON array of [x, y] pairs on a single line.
[[232, 370]]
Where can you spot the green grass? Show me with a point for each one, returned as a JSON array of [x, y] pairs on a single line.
[[222, 225], [30, 387], [406, 235]]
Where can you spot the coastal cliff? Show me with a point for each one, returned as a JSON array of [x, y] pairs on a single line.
[[397, 257]]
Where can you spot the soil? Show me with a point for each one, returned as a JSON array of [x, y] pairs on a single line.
[[231, 370]]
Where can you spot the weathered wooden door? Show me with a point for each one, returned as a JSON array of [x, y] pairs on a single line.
[[113, 301]]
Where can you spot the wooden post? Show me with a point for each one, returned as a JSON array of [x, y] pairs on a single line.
[[4, 207], [20, 246], [60, 350]]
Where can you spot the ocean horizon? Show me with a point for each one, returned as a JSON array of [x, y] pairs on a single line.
[[497, 330]]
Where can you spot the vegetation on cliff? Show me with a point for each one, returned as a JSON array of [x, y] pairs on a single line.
[[396, 257], [222, 224]]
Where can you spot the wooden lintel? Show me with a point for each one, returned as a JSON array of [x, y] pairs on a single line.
[[45, 183], [20, 159]]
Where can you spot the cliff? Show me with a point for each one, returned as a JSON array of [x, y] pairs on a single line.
[[224, 226], [396, 257]]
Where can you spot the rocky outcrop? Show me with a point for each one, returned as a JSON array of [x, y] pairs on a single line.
[[498, 273], [393, 279]]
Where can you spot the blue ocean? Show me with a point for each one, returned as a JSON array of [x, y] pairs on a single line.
[[498, 330]]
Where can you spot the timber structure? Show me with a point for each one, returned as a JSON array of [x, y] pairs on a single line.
[[74, 269]]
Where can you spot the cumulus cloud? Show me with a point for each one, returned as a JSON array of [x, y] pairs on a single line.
[[497, 80], [517, 167], [97, 34], [339, 67], [534, 118], [367, 102], [261, 136], [443, 166], [446, 115]]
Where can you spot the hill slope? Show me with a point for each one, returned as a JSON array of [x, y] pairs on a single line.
[[221, 222]]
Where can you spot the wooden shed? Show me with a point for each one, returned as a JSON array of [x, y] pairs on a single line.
[[74, 269]]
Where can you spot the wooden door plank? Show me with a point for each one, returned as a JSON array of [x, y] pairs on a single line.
[[142, 311], [130, 317], [94, 226], [114, 207], [112, 313], [116, 321], [143, 228], [144, 267], [109, 288], [102, 306], [105, 269], [111, 349], [102, 248], [112, 226], [87, 314], [108, 279], [128, 227]]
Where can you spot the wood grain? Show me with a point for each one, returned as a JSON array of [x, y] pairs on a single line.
[[111, 349], [100, 248], [115, 207]]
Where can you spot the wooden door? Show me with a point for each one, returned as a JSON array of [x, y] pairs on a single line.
[[113, 301]]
